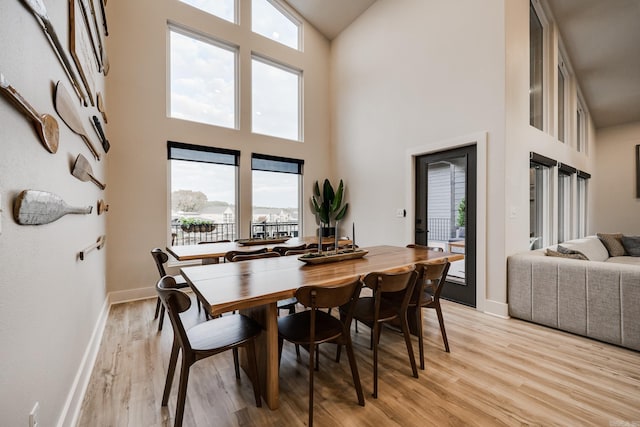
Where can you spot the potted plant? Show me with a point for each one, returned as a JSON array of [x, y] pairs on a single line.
[[461, 218], [328, 206], [196, 224]]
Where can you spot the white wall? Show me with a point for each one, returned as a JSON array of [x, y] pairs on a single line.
[[408, 76], [618, 208], [139, 128], [51, 301]]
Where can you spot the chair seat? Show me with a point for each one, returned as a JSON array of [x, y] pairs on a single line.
[[296, 327], [222, 332], [364, 310]]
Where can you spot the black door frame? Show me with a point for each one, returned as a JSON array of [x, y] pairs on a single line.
[[465, 294]]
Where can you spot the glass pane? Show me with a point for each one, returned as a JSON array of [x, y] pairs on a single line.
[[203, 202], [276, 101], [270, 22], [221, 8], [582, 207], [535, 69], [560, 105], [564, 207], [202, 81], [539, 206], [276, 204]]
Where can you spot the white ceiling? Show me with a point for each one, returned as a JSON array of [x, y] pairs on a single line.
[[602, 39]]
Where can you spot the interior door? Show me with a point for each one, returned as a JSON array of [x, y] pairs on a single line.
[[446, 214]]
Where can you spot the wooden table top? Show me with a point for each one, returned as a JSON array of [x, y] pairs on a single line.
[[233, 286], [217, 250]]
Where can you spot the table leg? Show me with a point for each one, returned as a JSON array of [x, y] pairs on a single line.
[[267, 351], [206, 261]]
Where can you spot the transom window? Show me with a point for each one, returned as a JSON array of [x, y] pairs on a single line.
[[269, 19], [275, 99], [565, 196], [202, 79], [536, 70], [540, 202], [581, 128], [563, 81], [224, 9]]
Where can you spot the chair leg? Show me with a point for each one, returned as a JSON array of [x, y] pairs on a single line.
[[354, 371], [236, 362], [312, 353], [407, 340], [442, 330], [253, 368], [161, 320], [419, 331], [170, 372], [182, 392], [157, 308], [338, 352], [375, 359]]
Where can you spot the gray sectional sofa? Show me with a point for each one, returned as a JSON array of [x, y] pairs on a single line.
[[598, 298]]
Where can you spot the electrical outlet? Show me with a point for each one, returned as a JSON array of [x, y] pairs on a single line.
[[34, 415]]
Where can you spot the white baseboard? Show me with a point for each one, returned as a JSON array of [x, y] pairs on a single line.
[[496, 308], [119, 297], [73, 404]]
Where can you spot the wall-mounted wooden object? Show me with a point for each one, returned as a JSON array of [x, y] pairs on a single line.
[[33, 207], [99, 244]]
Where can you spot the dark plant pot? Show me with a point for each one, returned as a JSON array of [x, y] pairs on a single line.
[[186, 227]]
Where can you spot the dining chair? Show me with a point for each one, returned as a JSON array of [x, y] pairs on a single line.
[[431, 248], [161, 259], [282, 250], [377, 309], [203, 340], [312, 327], [299, 251], [246, 257], [228, 257], [431, 280]]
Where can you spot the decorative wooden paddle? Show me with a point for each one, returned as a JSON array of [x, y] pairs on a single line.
[[99, 244], [82, 170], [33, 207], [68, 113], [46, 124], [101, 107]]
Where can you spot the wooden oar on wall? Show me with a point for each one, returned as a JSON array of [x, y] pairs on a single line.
[[33, 207], [99, 244], [82, 170]]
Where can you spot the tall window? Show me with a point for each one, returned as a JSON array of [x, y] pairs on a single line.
[[276, 99], [564, 202], [536, 74], [562, 100], [203, 193], [582, 203], [269, 19], [203, 79], [224, 9], [540, 203], [581, 128], [276, 196]]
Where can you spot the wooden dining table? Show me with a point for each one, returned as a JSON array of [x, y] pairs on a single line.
[[255, 286], [210, 253]]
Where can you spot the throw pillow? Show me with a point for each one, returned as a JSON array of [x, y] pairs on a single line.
[[567, 251], [613, 243], [631, 245], [578, 255]]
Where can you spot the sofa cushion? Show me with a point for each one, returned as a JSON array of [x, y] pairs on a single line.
[[566, 253], [613, 243], [629, 260], [590, 246], [631, 245]]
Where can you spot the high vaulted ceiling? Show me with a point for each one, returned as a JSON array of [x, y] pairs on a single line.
[[601, 37]]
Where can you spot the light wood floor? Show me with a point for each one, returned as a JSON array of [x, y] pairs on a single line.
[[499, 372]]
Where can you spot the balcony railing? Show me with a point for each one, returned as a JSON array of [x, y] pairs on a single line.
[[228, 231], [440, 229]]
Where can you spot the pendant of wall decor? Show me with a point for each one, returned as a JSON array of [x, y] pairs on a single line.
[[83, 171], [34, 207]]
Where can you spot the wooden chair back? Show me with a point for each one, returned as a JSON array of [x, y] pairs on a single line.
[[175, 302], [160, 258], [432, 276], [246, 257], [282, 250], [329, 296], [229, 255], [399, 286]]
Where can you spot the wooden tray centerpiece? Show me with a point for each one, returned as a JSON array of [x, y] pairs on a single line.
[[255, 242], [332, 256]]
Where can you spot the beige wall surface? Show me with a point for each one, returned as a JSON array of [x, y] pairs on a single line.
[[408, 75], [618, 208], [139, 128], [51, 301]]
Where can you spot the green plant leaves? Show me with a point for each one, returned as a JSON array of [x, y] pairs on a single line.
[[329, 205]]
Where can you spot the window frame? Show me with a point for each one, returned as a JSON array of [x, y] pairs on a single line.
[[219, 43], [582, 208], [235, 11], [300, 110], [287, 13], [543, 198], [581, 125], [536, 7], [565, 202], [563, 116]]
